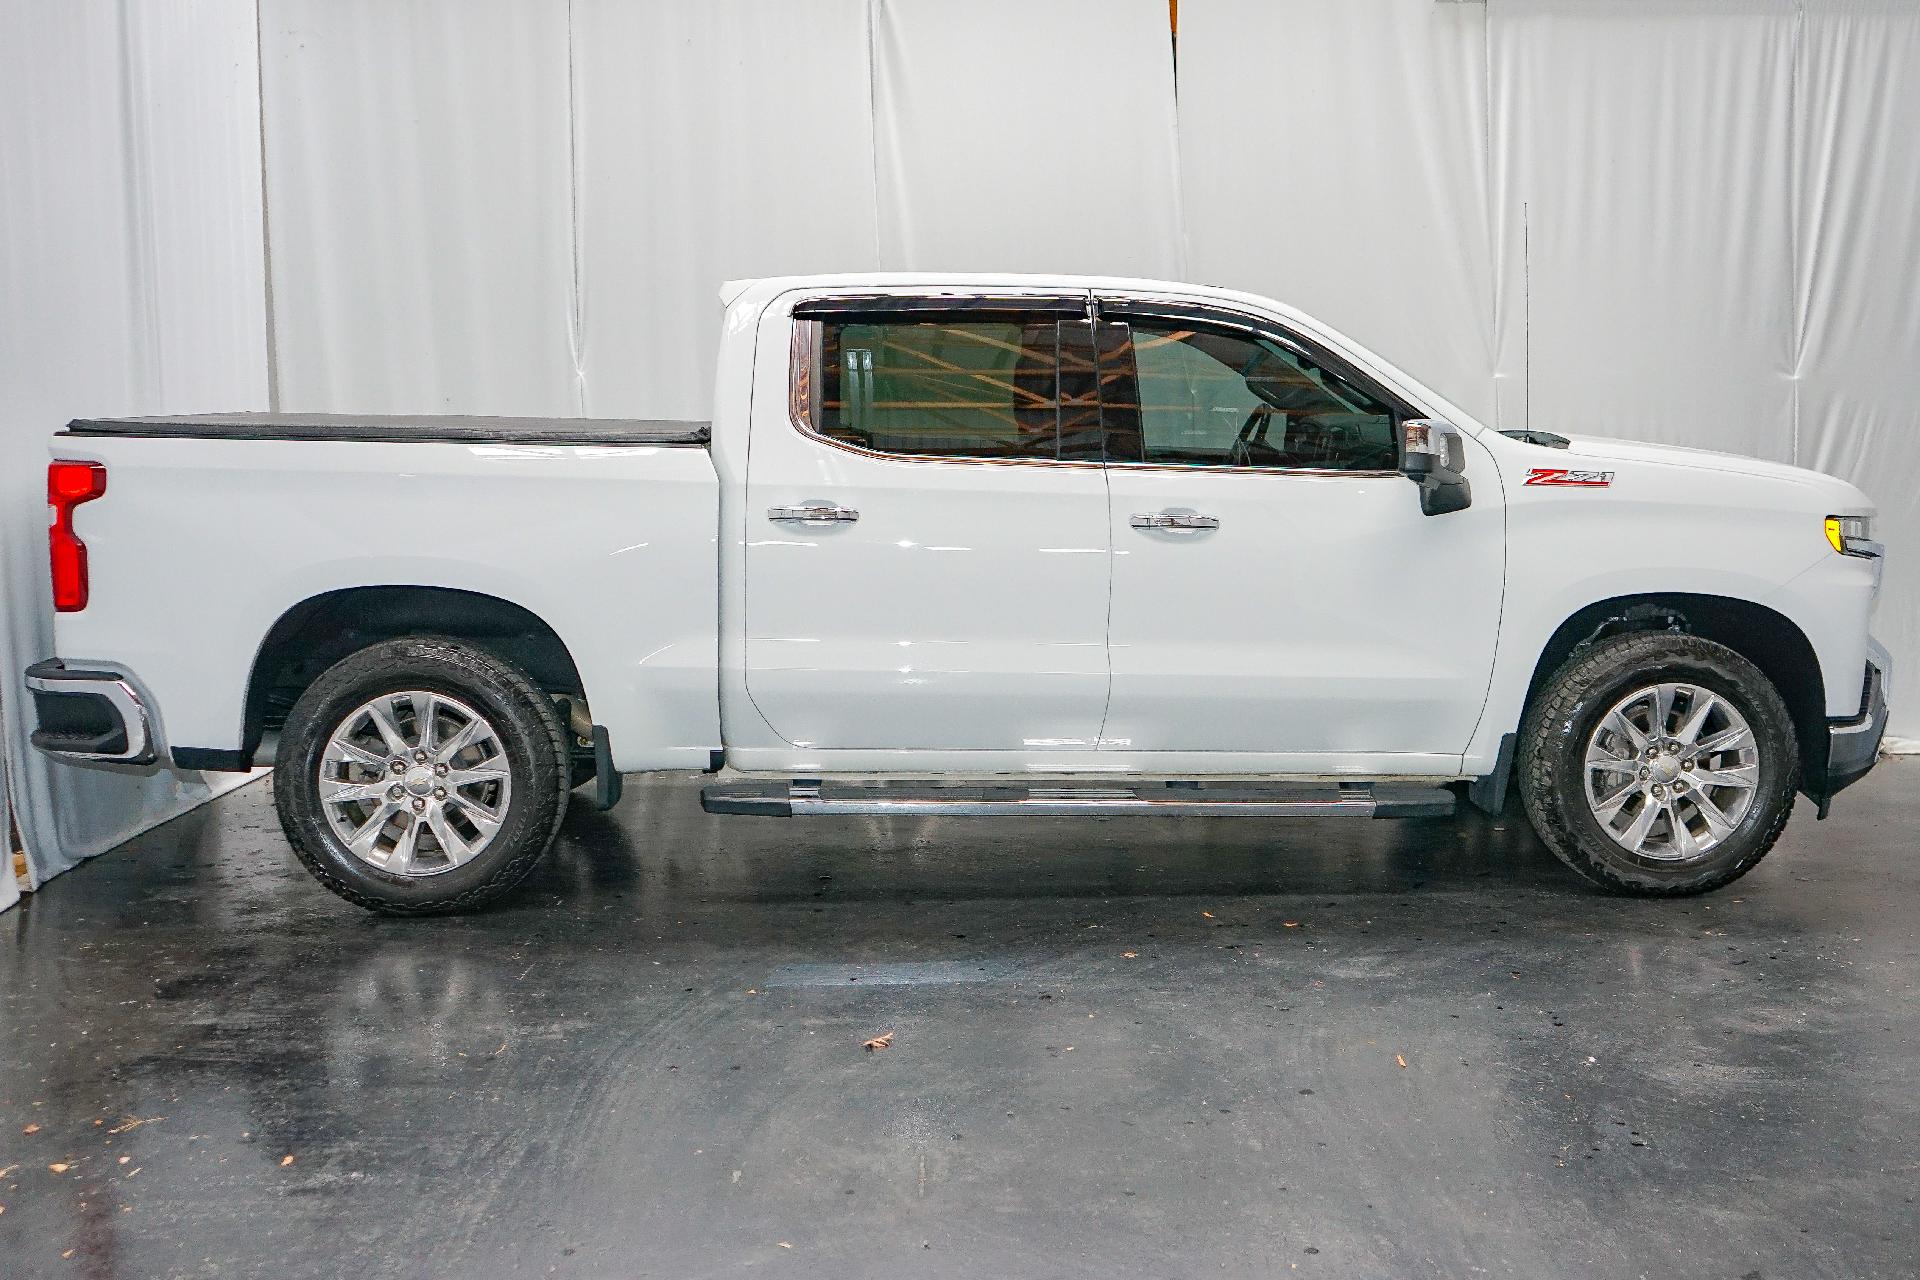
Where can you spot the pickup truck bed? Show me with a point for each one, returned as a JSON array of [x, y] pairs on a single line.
[[397, 429], [224, 538]]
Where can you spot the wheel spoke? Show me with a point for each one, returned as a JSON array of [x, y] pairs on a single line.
[[1719, 826], [1703, 705], [475, 777], [1635, 836], [1682, 838], [1598, 759], [487, 820], [380, 711], [348, 792], [461, 740], [1609, 808], [424, 709], [1744, 776], [1662, 708], [1736, 738], [356, 753], [401, 858], [1625, 728], [363, 838], [452, 844]]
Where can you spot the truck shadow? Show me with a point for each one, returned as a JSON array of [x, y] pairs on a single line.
[[659, 841]]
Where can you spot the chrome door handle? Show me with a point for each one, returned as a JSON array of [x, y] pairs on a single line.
[[1173, 520], [813, 513]]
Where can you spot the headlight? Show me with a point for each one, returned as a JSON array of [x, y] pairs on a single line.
[[1852, 535]]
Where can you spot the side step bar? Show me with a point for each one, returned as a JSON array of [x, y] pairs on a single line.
[[815, 797]]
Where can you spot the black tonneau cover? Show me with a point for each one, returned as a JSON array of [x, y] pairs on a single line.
[[402, 429]]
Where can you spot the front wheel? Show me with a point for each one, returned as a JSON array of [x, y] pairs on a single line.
[[1658, 764], [420, 776]]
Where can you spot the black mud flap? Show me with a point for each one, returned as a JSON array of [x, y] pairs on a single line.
[[1489, 794], [606, 781]]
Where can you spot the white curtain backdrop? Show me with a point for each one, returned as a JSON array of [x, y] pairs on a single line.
[[1026, 136], [1856, 354], [1682, 220], [132, 283], [1646, 218], [746, 150], [1334, 156], [418, 205]]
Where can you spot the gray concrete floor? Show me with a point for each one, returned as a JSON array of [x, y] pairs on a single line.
[[1165, 1048]]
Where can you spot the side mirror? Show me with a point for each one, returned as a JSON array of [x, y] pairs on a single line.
[[1433, 455]]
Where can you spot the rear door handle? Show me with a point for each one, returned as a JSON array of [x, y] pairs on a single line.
[[1173, 520], [813, 513]]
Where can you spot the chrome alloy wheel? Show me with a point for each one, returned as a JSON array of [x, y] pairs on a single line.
[[415, 782], [1670, 771]]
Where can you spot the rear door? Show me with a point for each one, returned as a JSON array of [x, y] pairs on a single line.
[[927, 534], [1276, 588]]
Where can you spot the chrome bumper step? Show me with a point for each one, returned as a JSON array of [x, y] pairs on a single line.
[[815, 797], [88, 715]]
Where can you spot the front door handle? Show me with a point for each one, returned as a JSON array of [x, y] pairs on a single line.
[[813, 513], [1173, 520]]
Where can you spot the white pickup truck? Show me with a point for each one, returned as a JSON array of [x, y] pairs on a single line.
[[968, 545]]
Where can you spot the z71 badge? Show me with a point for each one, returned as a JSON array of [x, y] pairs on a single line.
[[1579, 479]]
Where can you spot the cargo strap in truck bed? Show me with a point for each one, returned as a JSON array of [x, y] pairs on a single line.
[[426, 428]]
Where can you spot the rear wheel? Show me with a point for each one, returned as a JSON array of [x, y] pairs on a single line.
[[1659, 764], [420, 776]]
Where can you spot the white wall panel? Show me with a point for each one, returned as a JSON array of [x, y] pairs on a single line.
[[1021, 136], [130, 245], [420, 228], [714, 141], [1333, 156], [1641, 172], [1857, 192]]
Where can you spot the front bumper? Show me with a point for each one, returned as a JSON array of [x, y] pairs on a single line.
[[89, 715], [1853, 745]]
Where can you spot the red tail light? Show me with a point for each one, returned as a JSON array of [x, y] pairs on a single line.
[[68, 485]]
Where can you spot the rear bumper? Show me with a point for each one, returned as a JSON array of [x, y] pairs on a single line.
[[1853, 745], [89, 715]]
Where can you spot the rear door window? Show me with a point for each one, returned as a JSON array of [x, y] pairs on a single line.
[[966, 384]]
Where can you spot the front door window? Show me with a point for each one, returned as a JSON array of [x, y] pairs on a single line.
[[1208, 395]]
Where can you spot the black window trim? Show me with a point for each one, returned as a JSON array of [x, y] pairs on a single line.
[[1123, 308], [805, 354]]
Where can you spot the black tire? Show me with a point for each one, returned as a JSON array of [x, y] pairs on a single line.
[[534, 745], [1564, 714]]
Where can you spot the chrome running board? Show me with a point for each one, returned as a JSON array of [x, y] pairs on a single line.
[[816, 797]]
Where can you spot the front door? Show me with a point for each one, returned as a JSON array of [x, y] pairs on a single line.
[[926, 561], [1276, 589]]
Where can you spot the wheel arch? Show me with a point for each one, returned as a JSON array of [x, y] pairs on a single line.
[[1765, 637], [317, 632]]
